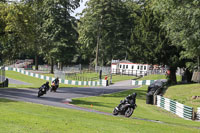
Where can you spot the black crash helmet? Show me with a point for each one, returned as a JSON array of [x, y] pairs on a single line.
[[134, 95]]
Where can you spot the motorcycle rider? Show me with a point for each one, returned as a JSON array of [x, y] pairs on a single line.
[[45, 86], [56, 82], [131, 99]]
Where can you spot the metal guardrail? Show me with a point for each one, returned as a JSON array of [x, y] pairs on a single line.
[[175, 107], [198, 114], [71, 82], [142, 82]]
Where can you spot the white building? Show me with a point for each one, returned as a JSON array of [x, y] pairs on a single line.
[[129, 68]]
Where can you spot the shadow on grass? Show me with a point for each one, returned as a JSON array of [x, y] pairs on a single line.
[[83, 102], [112, 99], [3, 100], [141, 94]]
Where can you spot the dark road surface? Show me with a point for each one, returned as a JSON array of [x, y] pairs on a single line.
[[62, 96]]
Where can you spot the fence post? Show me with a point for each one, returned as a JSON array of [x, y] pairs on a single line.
[[193, 114], [154, 99]]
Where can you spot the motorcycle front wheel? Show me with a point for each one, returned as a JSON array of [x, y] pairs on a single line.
[[115, 111], [128, 112], [40, 93]]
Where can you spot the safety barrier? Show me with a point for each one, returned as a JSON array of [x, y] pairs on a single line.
[[175, 107], [70, 82], [198, 113], [142, 82]]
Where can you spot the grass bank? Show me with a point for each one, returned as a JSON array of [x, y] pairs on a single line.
[[183, 93], [33, 118], [33, 82], [106, 103]]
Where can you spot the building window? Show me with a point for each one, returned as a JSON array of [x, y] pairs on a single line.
[[126, 66], [138, 67], [132, 66], [141, 67], [123, 66], [120, 66], [145, 67]]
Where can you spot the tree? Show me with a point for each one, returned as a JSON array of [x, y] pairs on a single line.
[[16, 30], [150, 43], [58, 29], [182, 24], [104, 28], [36, 6]]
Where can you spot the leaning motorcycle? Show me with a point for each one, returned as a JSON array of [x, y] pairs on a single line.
[[41, 91], [125, 109], [126, 106], [54, 87]]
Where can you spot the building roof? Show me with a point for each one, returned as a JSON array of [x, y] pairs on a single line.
[[126, 62]]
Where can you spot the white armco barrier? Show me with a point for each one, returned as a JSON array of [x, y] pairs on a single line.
[[142, 82], [176, 107], [71, 82], [198, 113]]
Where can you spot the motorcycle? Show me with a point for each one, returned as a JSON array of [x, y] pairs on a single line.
[[125, 107], [54, 87], [41, 91]]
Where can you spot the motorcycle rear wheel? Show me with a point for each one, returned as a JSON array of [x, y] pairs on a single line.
[[128, 112]]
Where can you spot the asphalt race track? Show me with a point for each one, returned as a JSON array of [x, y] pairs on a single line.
[[62, 97]]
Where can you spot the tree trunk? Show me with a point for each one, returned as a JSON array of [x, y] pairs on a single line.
[[172, 76], [52, 64], [61, 66], [188, 75], [36, 62]]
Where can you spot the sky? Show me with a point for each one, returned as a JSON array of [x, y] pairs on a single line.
[[78, 10], [82, 6]]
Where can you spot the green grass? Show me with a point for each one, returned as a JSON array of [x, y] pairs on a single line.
[[32, 118], [183, 93], [156, 76], [153, 77], [117, 78], [106, 103], [34, 82], [20, 117]]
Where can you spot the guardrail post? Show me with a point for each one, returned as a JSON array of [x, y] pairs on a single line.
[[154, 99], [193, 114]]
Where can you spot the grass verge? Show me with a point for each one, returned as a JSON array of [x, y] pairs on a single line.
[[107, 102], [183, 93], [33, 118], [33, 82]]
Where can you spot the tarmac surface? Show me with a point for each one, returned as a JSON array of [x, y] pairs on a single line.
[[62, 97], [13, 81]]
